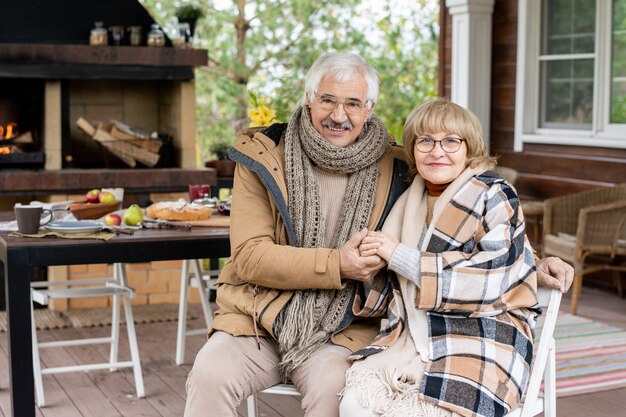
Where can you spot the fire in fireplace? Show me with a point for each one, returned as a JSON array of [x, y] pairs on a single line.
[[6, 137], [21, 123]]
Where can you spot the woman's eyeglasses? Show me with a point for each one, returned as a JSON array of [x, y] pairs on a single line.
[[449, 144]]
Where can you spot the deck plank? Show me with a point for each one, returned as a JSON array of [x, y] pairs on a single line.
[[101, 393], [118, 386], [73, 391]]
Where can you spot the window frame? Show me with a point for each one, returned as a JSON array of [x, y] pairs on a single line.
[[528, 95]]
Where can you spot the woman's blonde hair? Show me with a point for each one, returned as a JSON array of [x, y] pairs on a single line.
[[442, 115]]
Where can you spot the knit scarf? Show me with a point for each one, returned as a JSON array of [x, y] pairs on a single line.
[[312, 316]]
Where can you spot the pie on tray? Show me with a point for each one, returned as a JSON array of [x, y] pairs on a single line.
[[178, 210]]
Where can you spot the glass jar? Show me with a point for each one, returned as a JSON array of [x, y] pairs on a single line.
[[98, 35], [135, 35], [156, 37]]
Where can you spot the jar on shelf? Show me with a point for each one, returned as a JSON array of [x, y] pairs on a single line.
[[135, 35], [98, 35], [156, 37]]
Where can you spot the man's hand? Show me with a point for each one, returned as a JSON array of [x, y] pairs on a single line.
[[356, 267], [554, 273]]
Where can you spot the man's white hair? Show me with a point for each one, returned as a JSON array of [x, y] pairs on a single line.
[[343, 67]]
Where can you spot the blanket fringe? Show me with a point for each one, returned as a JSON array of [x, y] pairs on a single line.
[[390, 393]]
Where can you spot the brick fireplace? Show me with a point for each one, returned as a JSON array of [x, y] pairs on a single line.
[[50, 76], [154, 100]]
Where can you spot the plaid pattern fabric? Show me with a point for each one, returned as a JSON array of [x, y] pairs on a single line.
[[478, 287], [383, 300]]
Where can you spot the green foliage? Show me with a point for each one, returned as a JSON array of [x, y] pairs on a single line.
[[279, 41], [219, 148], [618, 108], [406, 59], [188, 11]]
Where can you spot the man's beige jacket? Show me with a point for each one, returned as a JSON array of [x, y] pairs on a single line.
[[264, 269]]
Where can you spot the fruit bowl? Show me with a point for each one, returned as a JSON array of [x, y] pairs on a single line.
[[89, 211]]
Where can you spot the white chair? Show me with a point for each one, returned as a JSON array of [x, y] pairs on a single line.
[[543, 368], [42, 292], [204, 282]]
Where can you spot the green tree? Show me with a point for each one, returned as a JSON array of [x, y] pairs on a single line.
[[267, 47]]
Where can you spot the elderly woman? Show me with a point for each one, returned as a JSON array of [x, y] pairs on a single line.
[[457, 242]]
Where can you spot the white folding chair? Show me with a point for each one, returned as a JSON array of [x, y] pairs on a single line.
[[42, 292], [204, 282], [279, 389], [543, 368]]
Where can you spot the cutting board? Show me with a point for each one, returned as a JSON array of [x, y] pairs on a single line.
[[213, 221]]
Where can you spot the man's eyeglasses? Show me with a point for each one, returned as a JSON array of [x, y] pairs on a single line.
[[449, 144], [330, 103]]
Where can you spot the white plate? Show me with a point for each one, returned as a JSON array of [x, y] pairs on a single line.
[[74, 227]]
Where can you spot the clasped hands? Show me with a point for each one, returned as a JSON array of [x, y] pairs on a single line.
[[366, 253]]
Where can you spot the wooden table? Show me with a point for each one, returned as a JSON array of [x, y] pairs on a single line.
[[20, 255]]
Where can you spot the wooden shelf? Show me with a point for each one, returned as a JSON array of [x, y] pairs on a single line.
[[98, 62], [69, 181]]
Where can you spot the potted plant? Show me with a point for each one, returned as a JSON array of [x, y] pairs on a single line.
[[189, 13], [224, 166]]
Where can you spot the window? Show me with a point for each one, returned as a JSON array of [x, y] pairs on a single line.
[[571, 73]]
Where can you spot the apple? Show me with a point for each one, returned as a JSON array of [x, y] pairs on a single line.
[[106, 197], [112, 219], [92, 196], [133, 215]]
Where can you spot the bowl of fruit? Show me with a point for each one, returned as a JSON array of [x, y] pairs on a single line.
[[96, 204]]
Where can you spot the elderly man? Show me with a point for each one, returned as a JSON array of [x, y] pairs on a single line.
[[304, 195]]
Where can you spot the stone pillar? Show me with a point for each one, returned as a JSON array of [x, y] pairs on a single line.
[[52, 125], [184, 122]]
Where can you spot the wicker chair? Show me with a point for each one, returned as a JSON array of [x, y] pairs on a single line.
[[588, 230]]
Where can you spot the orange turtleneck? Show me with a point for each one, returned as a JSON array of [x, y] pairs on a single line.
[[436, 189]]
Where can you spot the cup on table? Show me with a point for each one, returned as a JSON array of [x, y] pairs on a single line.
[[29, 218], [197, 191]]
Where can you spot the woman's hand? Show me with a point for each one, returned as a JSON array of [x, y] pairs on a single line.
[[369, 245], [378, 243]]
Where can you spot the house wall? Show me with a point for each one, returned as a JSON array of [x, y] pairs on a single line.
[[544, 170]]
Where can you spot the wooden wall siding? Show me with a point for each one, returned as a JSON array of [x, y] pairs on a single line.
[[545, 170]]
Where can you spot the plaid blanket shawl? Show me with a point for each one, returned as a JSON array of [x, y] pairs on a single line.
[[478, 292]]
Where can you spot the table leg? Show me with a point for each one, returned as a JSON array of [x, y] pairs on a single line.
[[17, 293]]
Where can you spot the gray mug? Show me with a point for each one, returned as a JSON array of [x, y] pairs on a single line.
[[29, 218]]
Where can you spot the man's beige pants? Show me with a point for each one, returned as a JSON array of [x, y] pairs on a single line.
[[228, 369]]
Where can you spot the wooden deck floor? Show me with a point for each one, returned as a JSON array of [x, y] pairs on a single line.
[[101, 393]]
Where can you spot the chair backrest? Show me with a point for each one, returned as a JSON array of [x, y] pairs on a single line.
[[543, 365], [561, 213]]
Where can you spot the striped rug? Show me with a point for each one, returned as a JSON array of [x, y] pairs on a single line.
[[590, 356]]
